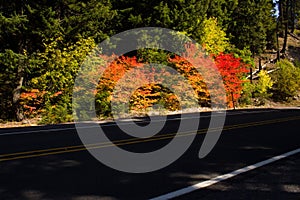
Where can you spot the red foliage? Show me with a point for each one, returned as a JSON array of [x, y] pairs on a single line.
[[31, 101], [230, 68], [232, 71], [116, 70]]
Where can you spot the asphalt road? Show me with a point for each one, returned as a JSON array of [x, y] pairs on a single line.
[[49, 162]]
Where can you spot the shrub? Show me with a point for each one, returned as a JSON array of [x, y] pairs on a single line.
[[57, 113], [246, 94], [287, 80], [54, 79], [263, 86], [297, 32]]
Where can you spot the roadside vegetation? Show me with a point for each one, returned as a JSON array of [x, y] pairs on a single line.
[[44, 44]]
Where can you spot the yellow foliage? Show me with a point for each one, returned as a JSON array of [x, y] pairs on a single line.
[[214, 38], [264, 83]]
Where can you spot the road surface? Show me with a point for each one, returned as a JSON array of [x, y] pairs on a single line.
[[50, 162]]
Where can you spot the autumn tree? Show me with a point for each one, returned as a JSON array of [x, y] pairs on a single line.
[[233, 72], [214, 39]]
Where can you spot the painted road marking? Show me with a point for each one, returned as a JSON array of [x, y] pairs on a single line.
[[69, 149], [126, 122], [223, 177]]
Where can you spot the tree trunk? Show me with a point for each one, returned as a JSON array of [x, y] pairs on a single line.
[[251, 76], [285, 39], [286, 27], [293, 15], [16, 93], [280, 17], [259, 64], [277, 41]]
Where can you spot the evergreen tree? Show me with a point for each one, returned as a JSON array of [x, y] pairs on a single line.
[[182, 15], [23, 26], [26, 25], [252, 25], [222, 10], [91, 18]]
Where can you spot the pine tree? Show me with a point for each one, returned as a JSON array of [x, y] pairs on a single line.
[[222, 10], [24, 28], [182, 15], [252, 24]]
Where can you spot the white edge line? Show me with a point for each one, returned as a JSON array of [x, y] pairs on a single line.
[[73, 128], [223, 177]]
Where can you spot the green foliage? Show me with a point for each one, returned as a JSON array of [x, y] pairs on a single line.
[[246, 94], [58, 113], [252, 23], [14, 58], [8, 72], [42, 45], [181, 15], [59, 66], [297, 32], [297, 63], [24, 28], [287, 80], [13, 68], [259, 90], [222, 10], [102, 103], [214, 38], [91, 18], [244, 54], [60, 63], [153, 56]]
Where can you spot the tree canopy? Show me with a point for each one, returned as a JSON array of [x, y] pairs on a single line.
[[43, 43]]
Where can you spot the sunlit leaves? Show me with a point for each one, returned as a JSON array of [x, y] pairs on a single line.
[[232, 71], [214, 38]]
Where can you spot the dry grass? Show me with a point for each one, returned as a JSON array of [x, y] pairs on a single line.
[[292, 53]]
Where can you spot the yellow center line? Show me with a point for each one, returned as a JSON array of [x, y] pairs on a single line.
[[76, 148], [88, 145]]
